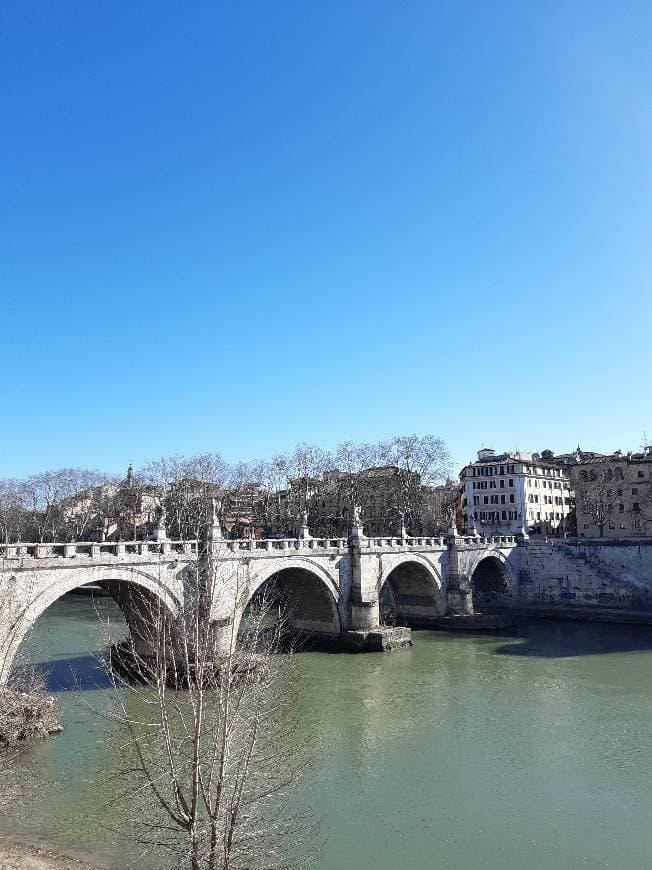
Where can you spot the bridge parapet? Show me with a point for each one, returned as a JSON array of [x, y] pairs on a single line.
[[192, 548], [280, 546], [430, 543], [96, 550], [487, 540]]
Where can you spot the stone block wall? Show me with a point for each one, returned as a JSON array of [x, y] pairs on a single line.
[[561, 573]]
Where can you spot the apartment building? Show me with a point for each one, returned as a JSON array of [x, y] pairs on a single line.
[[508, 493]]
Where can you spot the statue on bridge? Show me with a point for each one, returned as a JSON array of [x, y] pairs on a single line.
[[402, 531], [160, 532], [451, 517], [304, 531], [215, 527]]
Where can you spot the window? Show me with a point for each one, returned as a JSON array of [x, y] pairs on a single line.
[[502, 498], [634, 490], [511, 498], [486, 499], [641, 474], [586, 525], [636, 507], [621, 508], [502, 484], [511, 481], [504, 515]]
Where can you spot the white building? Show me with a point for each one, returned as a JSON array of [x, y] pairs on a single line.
[[514, 492]]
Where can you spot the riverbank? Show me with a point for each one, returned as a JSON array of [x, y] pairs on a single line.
[[23, 856]]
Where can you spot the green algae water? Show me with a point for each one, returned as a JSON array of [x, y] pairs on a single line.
[[529, 751]]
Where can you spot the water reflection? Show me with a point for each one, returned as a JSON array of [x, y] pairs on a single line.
[[75, 674], [549, 639]]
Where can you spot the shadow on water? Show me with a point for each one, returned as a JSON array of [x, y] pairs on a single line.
[[550, 639], [77, 674]]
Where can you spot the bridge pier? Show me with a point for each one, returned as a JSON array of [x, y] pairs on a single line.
[[365, 633], [459, 598]]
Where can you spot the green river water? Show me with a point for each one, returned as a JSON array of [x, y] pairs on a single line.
[[529, 751]]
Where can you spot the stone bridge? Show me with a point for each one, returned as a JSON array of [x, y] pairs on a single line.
[[336, 587]]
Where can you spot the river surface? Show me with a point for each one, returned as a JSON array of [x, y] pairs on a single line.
[[529, 751]]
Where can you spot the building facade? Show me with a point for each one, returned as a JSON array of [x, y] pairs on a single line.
[[613, 494], [512, 493]]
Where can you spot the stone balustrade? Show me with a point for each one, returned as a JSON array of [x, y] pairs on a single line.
[[95, 549], [261, 546], [253, 546], [408, 541]]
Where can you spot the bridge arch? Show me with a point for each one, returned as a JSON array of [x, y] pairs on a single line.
[[491, 578], [308, 593], [410, 591], [33, 595]]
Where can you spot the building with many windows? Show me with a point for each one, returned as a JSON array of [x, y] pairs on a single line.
[[509, 493], [613, 494]]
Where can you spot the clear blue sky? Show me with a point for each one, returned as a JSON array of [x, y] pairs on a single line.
[[235, 225]]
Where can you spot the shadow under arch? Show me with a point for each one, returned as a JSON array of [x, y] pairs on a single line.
[[139, 595], [304, 596], [410, 594], [490, 581]]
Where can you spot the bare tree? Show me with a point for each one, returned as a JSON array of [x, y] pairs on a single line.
[[594, 495], [86, 499], [185, 485], [13, 514], [269, 477], [305, 467], [421, 461], [214, 753], [352, 459]]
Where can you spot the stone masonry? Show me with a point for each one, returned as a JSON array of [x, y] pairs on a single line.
[[336, 586]]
